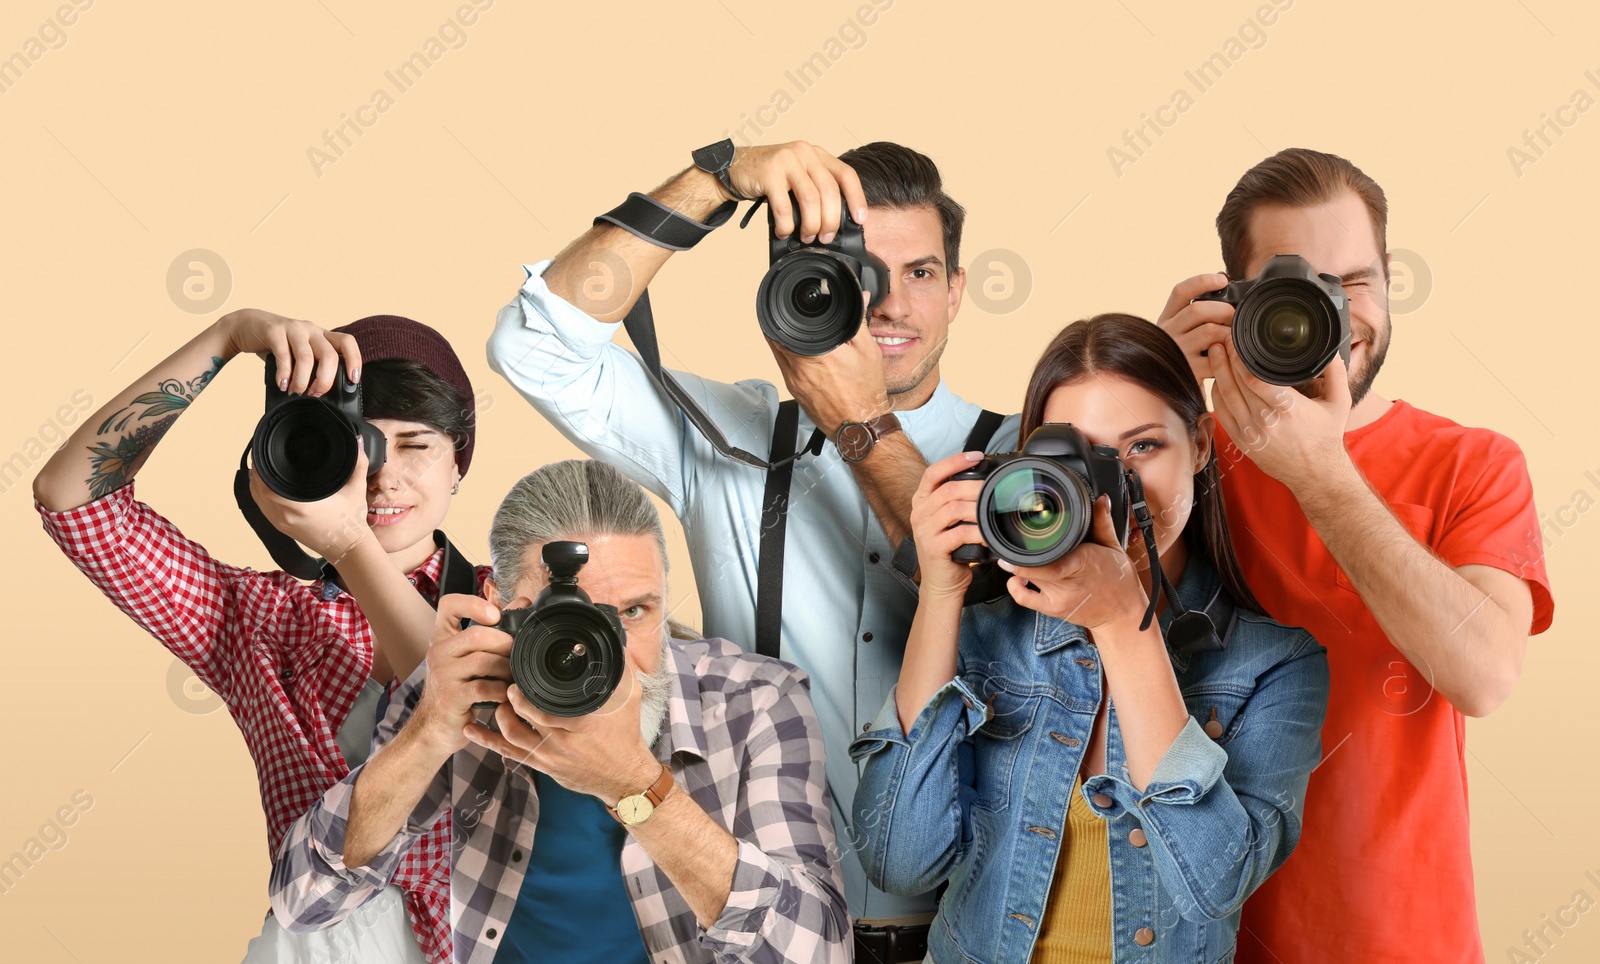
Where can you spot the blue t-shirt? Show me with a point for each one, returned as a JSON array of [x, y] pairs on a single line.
[[573, 906]]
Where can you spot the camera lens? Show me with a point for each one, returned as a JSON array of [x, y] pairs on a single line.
[[303, 450], [810, 302], [567, 659], [1287, 331], [1032, 512], [812, 297]]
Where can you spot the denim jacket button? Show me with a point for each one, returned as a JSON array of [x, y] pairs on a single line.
[[1137, 838], [1213, 729], [1102, 801], [1144, 937]]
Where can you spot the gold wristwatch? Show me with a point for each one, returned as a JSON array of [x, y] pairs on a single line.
[[633, 810]]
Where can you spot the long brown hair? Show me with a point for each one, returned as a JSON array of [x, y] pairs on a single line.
[[1135, 349]]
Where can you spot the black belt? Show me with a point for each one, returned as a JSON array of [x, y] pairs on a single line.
[[891, 944]]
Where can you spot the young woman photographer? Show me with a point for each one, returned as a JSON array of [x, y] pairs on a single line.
[[296, 663], [1084, 789]]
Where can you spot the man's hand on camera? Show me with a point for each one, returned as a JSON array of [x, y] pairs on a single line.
[[330, 527], [465, 666], [817, 179], [1293, 438], [602, 754], [842, 385], [300, 348], [1197, 326]]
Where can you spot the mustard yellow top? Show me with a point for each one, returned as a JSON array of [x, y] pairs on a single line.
[[1077, 917]]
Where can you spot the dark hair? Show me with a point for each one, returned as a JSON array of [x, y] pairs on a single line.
[[898, 177], [407, 391], [1135, 349], [1296, 177]]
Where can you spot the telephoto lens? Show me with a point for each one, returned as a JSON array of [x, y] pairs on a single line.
[[305, 448], [1288, 321], [810, 300], [567, 654]]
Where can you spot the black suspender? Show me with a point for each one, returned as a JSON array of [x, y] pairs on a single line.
[[983, 431], [774, 520], [775, 514]]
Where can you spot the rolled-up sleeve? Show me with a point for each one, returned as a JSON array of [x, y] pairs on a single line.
[[786, 904], [1218, 828], [908, 809], [311, 886], [601, 398]]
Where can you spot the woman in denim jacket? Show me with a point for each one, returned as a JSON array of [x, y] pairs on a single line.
[[1085, 792]]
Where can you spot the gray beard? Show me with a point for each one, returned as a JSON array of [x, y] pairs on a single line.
[[655, 690]]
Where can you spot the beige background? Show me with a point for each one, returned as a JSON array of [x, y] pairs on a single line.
[[154, 129]]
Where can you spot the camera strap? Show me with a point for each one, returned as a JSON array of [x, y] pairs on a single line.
[[285, 552], [1191, 631], [646, 218]]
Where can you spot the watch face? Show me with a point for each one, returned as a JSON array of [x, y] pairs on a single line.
[[635, 809], [854, 441]]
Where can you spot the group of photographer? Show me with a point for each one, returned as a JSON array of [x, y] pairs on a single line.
[[1094, 682]]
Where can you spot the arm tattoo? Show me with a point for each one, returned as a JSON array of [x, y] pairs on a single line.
[[114, 463]]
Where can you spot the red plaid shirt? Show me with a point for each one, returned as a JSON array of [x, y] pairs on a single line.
[[289, 659]]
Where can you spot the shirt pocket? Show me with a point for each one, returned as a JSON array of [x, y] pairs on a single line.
[[1417, 519], [1219, 711], [996, 743]]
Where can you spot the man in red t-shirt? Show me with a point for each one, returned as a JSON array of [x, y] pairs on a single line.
[[1407, 544]]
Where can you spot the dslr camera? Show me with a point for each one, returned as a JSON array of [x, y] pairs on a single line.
[[1288, 321], [810, 298], [566, 652], [305, 448], [1037, 505]]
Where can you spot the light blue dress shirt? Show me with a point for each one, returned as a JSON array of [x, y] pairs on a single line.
[[845, 616]]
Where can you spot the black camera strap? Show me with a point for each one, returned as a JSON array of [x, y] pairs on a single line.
[[285, 552], [1191, 631], [646, 218]]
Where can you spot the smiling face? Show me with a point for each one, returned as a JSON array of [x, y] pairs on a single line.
[[409, 495], [1336, 238], [912, 322], [1152, 439]]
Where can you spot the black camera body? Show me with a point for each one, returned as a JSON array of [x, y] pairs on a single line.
[[567, 653], [810, 298], [1037, 505], [1288, 321], [305, 448]]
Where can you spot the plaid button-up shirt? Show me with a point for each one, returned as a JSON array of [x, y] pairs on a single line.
[[742, 739], [288, 658]]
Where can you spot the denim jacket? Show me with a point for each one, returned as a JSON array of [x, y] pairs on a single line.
[[976, 794]]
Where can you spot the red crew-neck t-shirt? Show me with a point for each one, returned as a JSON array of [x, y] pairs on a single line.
[[1383, 870]]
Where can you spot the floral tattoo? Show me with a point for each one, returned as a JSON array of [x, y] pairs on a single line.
[[151, 414]]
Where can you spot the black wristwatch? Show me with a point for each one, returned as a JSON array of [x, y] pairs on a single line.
[[716, 159], [855, 440]]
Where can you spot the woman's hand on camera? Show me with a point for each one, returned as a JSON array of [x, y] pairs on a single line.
[[938, 510], [331, 527], [300, 348], [822, 184], [465, 667], [1095, 585]]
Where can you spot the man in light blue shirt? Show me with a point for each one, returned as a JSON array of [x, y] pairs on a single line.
[[845, 616]]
